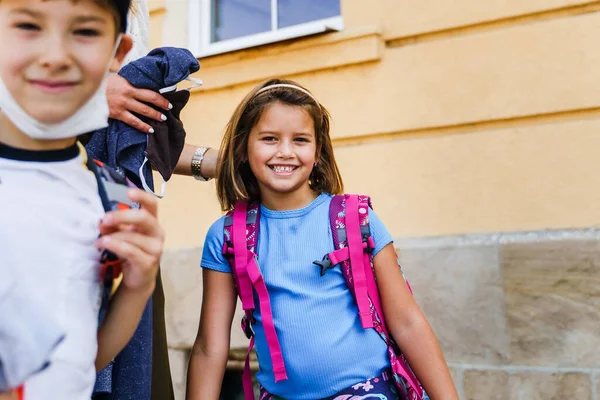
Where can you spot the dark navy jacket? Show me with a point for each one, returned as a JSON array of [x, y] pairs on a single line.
[[123, 148]]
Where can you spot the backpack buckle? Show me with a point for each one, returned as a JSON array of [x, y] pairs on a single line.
[[247, 327], [227, 250], [325, 264], [369, 243]]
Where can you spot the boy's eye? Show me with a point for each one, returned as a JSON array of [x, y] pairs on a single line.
[[87, 32], [27, 26]]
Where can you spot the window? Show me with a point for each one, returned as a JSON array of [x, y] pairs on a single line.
[[218, 26]]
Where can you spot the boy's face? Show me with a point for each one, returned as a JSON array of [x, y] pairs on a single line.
[[55, 54]]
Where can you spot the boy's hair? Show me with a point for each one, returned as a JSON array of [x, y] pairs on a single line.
[[123, 7], [119, 8], [235, 180]]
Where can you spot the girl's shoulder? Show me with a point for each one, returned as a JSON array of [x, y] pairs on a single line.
[[216, 229], [212, 256]]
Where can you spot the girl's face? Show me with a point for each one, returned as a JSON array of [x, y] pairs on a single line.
[[281, 153]]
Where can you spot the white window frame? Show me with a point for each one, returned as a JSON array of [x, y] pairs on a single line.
[[200, 31]]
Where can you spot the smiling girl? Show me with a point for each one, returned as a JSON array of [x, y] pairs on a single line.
[[277, 159]]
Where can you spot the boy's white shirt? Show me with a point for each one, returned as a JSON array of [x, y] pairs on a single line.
[[50, 213]]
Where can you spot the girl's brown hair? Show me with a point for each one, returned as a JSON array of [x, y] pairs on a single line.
[[235, 180]]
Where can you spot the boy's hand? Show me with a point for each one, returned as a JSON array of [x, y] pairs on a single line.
[[124, 100], [12, 395], [136, 237]]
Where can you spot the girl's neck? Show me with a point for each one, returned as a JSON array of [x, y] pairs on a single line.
[[12, 136], [288, 201]]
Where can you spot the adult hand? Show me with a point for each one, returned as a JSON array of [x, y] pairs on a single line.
[[124, 100], [136, 237]]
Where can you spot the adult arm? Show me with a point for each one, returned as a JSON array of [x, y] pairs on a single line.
[[208, 168]]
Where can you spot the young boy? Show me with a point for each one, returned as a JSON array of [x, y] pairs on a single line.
[[54, 60]]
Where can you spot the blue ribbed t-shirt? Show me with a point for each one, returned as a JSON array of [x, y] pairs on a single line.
[[325, 349]]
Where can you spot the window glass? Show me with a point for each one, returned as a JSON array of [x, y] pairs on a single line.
[[295, 12], [236, 18]]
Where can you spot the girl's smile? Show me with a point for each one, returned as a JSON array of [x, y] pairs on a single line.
[[283, 170]]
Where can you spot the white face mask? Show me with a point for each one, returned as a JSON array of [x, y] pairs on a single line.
[[91, 116]]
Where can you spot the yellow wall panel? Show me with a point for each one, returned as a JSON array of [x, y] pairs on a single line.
[[402, 18], [534, 178]]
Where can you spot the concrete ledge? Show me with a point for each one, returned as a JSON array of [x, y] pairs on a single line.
[[500, 238]]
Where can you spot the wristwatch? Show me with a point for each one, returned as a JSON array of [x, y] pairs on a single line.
[[197, 159]]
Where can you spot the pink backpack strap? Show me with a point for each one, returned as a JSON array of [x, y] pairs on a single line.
[[240, 247], [240, 251], [357, 253], [349, 219]]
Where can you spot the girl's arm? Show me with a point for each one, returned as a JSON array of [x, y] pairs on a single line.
[[409, 328], [211, 348]]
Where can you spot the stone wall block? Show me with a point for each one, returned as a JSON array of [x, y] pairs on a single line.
[[460, 291], [553, 302]]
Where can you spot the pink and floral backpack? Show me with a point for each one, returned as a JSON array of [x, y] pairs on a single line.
[[349, 219]]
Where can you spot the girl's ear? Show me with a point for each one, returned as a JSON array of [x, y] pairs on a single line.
[[124, 47]]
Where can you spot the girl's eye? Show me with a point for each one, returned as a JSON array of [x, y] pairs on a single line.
[[269, 138], [302, 139], [87, 32], [27, 26]]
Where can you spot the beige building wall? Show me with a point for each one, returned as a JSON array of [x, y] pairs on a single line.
[[458, 118], [467, 118]]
